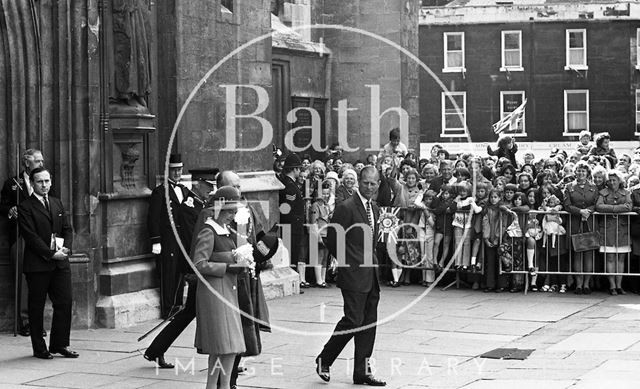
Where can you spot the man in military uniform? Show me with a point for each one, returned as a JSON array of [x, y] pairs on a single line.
[[292, 213], [164, 244], [18, 189]]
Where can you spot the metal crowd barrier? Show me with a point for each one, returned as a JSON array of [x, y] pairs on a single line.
[[559, 260]]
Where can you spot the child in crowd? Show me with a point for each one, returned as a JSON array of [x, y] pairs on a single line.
[[427, 236], [509, 193], [500, 183], [585, 142], [552, 222], [465, 207], [318, 220], [529, 157], [494, 224], [507, 148], [444, 230], [481, 200], [522, 204]]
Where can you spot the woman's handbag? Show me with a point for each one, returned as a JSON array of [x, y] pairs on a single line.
[[585, 241], [514, 230]]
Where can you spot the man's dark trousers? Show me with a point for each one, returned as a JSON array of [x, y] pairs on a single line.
[[168, 335], [56, 284], [360, 309]]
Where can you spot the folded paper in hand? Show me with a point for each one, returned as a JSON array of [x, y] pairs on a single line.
[[56, 243]]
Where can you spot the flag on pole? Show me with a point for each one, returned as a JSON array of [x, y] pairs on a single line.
[[511, 121]]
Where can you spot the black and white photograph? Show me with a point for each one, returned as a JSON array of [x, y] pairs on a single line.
[[285, 194]]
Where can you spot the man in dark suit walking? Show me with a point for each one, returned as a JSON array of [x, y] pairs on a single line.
[[358, 280], [48, 236], [163, 240]]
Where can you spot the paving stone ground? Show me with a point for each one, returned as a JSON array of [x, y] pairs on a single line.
[[431, 341]]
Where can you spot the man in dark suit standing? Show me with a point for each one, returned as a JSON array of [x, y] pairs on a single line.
[[358, 280], [14, 191], [163, 240], [48, 236]]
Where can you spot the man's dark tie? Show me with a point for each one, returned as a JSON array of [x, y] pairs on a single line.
[[46, 204], [370, 216]]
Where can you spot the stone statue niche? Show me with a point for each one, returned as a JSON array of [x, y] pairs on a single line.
[[130, 75]]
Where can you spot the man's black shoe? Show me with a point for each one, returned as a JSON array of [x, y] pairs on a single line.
[[369, 380], [322, 370], [162, 364], [65, 352], [43, 355], [24, 330]]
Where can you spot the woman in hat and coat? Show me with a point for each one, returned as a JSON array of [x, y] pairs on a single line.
[[614, 229], [219, 328]]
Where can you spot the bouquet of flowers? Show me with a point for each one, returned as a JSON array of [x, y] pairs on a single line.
[[244, 254]]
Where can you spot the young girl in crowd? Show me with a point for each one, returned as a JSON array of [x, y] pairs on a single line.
[[427, 236], [444, 230], [482, 199], [494, 223], [465, 207], [521, 206], [507, 148]]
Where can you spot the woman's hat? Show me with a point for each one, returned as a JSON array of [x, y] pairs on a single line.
[[226, 198], [266, 246]]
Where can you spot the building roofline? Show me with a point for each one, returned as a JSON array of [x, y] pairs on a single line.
[[539, 12]]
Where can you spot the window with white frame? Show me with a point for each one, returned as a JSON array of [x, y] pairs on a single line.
[[454, 114], [509, 101], [512, 50], [576, 111], [453, 52], [637, 111], [576, 43]]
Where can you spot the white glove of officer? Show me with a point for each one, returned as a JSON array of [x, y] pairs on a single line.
[[156, 248]]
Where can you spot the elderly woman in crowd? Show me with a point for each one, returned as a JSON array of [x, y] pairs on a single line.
[[219, 328], [614, 229], [602, 148], [580, 199], [348, 185]]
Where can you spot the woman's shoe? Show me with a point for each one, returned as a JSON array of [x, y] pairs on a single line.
[[532, 271], [621, 291], [514, 290], [553, 289], [500, 290], [545, 288], [489, 290], [406, 283], [304, 284], [533, 288], [322, 285], [586, 290], [563, 288], [613, 292], [425, 284], [578, 290]]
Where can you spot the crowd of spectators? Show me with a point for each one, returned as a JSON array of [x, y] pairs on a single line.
[[500, 217]]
